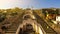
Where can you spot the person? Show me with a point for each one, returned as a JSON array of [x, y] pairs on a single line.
[[20, 32], [2, 31], [5, 26]]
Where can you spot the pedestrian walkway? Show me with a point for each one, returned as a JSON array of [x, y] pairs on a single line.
[[44, 25], [53, 26]]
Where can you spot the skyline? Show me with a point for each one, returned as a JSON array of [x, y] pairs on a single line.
[[5, 4]]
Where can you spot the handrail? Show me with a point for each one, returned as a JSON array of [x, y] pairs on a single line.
[[41, 28]]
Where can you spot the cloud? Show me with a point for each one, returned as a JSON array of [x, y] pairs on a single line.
[[15, 3], [9, 3]]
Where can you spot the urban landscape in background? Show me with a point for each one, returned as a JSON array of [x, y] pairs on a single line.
[[30, 21]]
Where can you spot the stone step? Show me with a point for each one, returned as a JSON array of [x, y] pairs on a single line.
[[12, 28], [51, 33], [10, 33]]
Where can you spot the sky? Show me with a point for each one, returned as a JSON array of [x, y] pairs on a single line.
[[5, 4]]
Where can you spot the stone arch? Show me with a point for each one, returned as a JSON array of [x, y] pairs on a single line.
[[27, 16]]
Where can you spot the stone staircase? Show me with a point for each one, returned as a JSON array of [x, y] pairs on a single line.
[[12, 29], [15, 23]]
